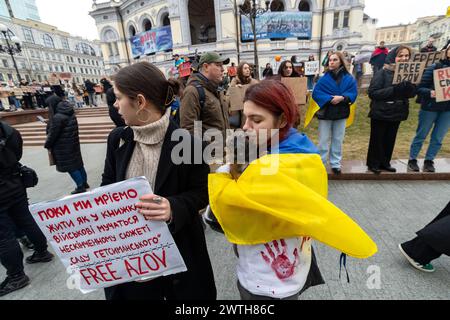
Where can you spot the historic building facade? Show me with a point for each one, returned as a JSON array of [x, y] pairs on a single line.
[[45, 50], [417, 34], [213, 25]]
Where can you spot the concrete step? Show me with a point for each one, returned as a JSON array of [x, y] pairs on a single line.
[[41, 143], [82, 132]]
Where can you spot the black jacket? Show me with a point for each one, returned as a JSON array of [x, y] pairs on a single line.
[[113, 112], [106, 85], [89, 86], [389, 102], [62, 136], [427, 84], [186, 188], [11, 186]]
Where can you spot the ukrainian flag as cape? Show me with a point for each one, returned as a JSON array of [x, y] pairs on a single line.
[[284, 195], [324, 91]]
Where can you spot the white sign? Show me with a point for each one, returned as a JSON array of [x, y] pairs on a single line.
[[100, 236], [311, 68]]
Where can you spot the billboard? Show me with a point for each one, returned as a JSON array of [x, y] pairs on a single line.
[[155, 40], [278, 25]]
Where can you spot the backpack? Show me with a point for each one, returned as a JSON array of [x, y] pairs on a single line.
[[201, 93]]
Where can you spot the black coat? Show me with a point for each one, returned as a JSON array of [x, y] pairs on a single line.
[[11, 186], [62, 136], [389, 102], [113, 112], [186, 188], [437, 233]]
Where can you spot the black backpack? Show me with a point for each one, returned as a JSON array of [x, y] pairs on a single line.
[[201, 93]]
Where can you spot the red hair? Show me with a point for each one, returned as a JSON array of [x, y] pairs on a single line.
[[277, 98]]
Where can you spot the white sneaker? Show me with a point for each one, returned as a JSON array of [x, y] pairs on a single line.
[[425, 268]]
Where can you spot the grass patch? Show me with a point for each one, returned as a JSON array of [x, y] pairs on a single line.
[[357, 136]]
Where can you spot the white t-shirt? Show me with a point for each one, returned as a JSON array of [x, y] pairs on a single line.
[[278, 269]]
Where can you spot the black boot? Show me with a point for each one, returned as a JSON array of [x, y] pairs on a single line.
[[79, 190], [86, 186], [39, 257], [26, 243], [428, 166], [412, 166], [11, 284]]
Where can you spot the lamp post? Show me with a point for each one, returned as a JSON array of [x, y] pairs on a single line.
[[252, 10], [11, 50]]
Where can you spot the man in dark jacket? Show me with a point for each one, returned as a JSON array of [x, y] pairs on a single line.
[[433, 115], [91, 92], [429, 47], [14, 212], [64, 143], [431, 242], [389, 106], [378, 57]]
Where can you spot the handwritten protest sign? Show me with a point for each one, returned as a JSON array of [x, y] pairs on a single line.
[[299, 87], [311, 68], [442, 84], [102, 240], [428, 57], [409, 71], [185, 69], [232, 71]]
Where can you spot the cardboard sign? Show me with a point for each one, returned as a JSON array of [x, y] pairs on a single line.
[[442, 84], [409, 71], [428, 57], [236, 95], [103, 241], [184, 69], [299, 87], [311, 68]]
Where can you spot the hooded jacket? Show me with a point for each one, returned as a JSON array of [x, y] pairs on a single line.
[[62, 136], [389, 102], [213, 114], [427, 84]]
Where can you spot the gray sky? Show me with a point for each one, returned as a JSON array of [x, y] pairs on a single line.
[[72, 15]]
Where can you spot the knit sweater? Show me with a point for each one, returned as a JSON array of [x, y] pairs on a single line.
[[149, 140]]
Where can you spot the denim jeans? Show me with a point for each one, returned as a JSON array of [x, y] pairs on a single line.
[[441, 122], [92, 99], [310, 82], [17, 214], [333, 130], [79, 176]]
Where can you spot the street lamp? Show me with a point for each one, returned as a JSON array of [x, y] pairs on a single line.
[[11, 50], [252, 10]]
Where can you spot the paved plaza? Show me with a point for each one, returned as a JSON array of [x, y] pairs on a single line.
[[390, 212]]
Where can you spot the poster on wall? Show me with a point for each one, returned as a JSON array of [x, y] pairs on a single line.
[[148, 42], [278, 25]]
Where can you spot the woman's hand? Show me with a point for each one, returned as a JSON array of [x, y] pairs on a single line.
[[155, 208], [433, 94], [337, 99]]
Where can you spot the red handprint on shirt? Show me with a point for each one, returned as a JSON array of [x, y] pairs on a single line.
[[283, 268]]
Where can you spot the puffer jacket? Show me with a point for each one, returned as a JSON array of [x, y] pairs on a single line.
[[214, 114], [11, 186], [63, 138], [427, 84]]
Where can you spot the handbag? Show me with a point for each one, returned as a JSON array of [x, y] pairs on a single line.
[[29, 176]]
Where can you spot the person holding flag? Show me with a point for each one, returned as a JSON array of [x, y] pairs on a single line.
[[279, 204], [333, 102]]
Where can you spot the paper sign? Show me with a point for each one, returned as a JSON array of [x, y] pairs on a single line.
[[237, 95], [185, 69], [103, 241], [442, 84], [428, 57], [409, 71], [232, 71], [299, 87], [311, 68]]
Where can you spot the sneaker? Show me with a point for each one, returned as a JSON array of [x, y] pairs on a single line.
[[79, 190], [210, 219], [412, 166], [26, 243], [425, 268], [11, 284], [37, 257], [336, 171], [428, 166], [86, 186]]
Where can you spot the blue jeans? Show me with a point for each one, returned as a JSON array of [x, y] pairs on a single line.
[[441, 122], [333, 130], [310, 82], [79, 176]]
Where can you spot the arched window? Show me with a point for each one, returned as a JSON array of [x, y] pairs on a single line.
[[277, 5], [165, 20], [84, 48], [202, 19], [147, 25], [131, 31], [304, 6], [48, 41], [110, 38]]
